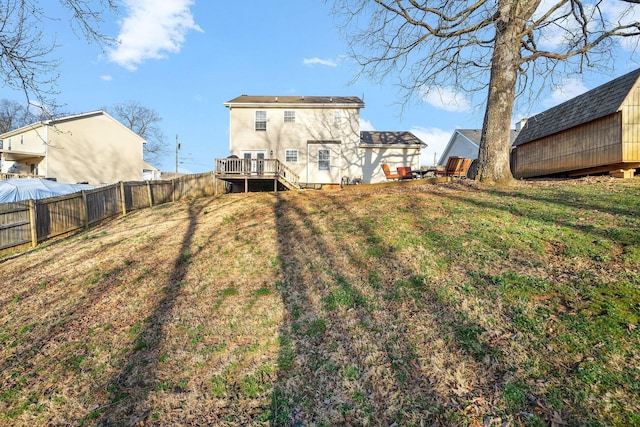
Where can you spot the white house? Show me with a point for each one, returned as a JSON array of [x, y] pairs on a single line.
[[466, 143], [317, 137], [91, 147]]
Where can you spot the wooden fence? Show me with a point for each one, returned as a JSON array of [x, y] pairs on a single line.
[[35, 221]]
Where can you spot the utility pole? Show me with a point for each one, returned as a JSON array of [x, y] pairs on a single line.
[[177, 149]]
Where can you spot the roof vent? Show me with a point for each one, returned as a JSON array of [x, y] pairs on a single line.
[[330, 99], [276, 99]]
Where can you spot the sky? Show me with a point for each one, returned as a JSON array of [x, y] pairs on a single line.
[[185, 58]]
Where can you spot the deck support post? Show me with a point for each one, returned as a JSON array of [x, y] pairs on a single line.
[[622, 173]]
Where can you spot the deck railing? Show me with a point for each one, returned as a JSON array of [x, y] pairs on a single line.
[[255, 168], [6, 176]]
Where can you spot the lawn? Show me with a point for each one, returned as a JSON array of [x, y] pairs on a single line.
[[451, 304]]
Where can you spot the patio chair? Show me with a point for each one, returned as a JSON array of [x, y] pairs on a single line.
[[405, 172], [454, 163], [464, 167], [388, 174]]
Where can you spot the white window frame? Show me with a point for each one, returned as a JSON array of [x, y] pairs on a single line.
[[260, 123], [324, 159], [289, 116], [291, 155]]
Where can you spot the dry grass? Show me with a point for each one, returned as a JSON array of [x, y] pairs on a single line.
[[451, 304]]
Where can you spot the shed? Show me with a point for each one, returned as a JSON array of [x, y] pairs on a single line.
[[393, 148], [596, 132]]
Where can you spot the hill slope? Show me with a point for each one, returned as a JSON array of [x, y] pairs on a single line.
[[449, 304]]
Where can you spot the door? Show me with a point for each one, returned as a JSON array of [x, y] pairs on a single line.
[[254, 160]]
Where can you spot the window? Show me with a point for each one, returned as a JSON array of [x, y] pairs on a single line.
[[337, 117], [291, 156], [261, 120], [9, 145], [324, 159], [289, 116]]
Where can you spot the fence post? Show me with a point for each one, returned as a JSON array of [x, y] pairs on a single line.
[[84, 213], [32, 223], [123, 200], [173, 192], [150, 195]]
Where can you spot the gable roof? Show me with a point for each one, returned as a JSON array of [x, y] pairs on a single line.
[[248, 100], [53, 122], [594, 104], [472, 137], [382, 139]]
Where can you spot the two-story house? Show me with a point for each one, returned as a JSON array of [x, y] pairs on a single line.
[[317, 137], [91, 147]]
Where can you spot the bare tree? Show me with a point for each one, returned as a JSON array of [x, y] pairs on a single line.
[[501, 46], [27, 63], [13, 115], [145, 122]]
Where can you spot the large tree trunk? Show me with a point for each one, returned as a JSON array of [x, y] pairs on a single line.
[[495, 143]]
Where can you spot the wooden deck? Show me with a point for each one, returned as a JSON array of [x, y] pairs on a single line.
[[259, 173]]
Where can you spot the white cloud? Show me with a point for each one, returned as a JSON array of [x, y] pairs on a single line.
[[318, 61], [436, 140], [106, 78], [570, 88], [366, 125], [446, 99], [152, 29]]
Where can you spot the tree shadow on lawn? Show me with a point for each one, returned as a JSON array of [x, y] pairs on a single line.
[[55, 346], [543, 285], [570, 210], [366, 340], [129, 389]]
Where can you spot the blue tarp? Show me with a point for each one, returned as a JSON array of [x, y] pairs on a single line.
[[18, 189]]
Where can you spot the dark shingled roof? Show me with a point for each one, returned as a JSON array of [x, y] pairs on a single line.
[[389, 138], [248, 99], [597, 103]]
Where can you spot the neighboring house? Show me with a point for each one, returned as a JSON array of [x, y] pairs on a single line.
[[93, 147], [317, 137], [596, 132], [466, 143], [150, 172]]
